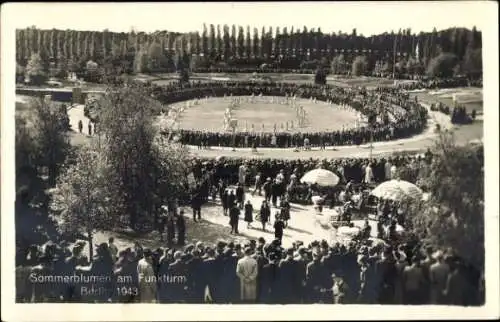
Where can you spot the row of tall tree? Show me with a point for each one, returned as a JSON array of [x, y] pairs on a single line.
[[237, 46]]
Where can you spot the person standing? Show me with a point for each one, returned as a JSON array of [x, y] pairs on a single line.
[[275, 192], [413, 279], [90, 128], [240, 195], [369, 174], [387, 169], [455, 290], [242, 172], [247, 271], [279, 226], [249, 214], [234, 217], [438, 273], [289, 279], [314, 278], [231, 200], [161, 226], [181, 228], [170, 223], [265, 213], [196, 205], [147, 280], [267, 189], [269, 291], [285, 210], [258, 184], [225, 202], [80, 126], [176, 291], [113, 250], [341, 291]]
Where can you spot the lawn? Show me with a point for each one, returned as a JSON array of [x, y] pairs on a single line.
[[320, 116], [470, 97]]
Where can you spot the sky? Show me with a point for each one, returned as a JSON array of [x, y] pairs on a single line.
[[367, 17]]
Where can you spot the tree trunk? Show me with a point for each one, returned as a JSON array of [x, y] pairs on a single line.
[[91, 245]]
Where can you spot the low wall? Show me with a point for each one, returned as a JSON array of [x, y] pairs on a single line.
[[58, 94]]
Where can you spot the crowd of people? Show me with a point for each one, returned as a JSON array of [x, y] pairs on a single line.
[[390, 122], [253, 173], [435, 83], [458, 114], [386, 270], [362, 271], [257, 271]]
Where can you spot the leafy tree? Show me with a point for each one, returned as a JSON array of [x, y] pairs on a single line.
[[443, 65], [453, 217], [359, 66], [83, 194], [141, 61], [320, 76], [25, 150], [92, 71], [35, 70], [338, 65], [171, 169], [20, 70], [156, 60], [473, 62], [126, 121], [412, 66], [49, 133]]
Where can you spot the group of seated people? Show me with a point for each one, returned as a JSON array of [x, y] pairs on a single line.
[[410, 119]]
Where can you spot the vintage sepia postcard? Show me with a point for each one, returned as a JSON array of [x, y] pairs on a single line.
[[249, 161]]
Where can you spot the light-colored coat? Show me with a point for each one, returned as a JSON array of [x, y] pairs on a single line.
[[147, 282], [246, 270], [368, 175]]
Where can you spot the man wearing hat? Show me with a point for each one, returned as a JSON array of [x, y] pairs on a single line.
[[438, 272], [413, 278], [289, 280], [314, 274], [162, 221], [208, 275], [258, 184], [269, 289], [176, 289], [234, 218], [247, 271], [267, 189], [279, 226]]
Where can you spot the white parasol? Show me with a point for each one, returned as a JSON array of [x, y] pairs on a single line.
[[321, 177], [397, 190]]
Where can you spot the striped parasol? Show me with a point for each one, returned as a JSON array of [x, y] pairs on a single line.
[[321, 177], [397, 190]]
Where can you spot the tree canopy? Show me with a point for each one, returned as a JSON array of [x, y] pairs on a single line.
[[359, 66], [35, 69], [81, 196], [453, 217], [147, 172], [45, 126], [442, 65], [116, 52]]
